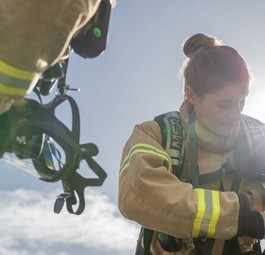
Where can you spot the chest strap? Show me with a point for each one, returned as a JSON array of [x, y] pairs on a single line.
[[172, 139]]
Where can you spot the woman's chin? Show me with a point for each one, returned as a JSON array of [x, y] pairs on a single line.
[[227, 131]]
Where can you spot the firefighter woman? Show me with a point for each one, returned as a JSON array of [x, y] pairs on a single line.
[[191, 177]]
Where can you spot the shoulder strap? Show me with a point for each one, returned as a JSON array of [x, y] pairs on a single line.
[[146, 235], [172, 138]]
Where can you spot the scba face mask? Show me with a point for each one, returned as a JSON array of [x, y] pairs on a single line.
[[30, 130]]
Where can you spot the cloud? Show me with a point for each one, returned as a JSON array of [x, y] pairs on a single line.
[[29, 226]]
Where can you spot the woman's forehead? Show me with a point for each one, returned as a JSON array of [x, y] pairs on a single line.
[[231, 91]]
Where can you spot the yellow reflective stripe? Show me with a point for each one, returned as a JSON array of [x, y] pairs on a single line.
[[12, 91], [207, 214], [144, 148], [14, 81], [15, 72], [200, 213]]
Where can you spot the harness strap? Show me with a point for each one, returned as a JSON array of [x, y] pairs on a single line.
[[146, 236], [172, 139], [202, 248], [209, 177], [193, 152]]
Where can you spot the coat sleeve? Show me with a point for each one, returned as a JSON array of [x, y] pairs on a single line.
[[35, 35], [38, 32], [152, 196]]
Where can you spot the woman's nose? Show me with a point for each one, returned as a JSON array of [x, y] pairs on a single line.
[[235, 113]]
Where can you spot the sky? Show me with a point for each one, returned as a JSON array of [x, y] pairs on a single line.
[[135, 79]]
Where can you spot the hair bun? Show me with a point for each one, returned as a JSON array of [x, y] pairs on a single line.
[[198, 42]]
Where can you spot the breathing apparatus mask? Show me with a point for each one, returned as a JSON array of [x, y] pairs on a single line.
[[31, 131]]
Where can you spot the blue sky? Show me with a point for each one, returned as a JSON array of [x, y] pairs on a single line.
[[135, 79]]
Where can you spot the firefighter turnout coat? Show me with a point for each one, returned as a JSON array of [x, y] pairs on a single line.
[[151, 195]]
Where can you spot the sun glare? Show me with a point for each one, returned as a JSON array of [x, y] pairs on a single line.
[[255, 104]]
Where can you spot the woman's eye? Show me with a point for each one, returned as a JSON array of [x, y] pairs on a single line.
[[228, 104]]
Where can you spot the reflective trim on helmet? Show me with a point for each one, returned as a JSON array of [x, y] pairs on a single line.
[[207, 214], [147, 149], [14, 81]]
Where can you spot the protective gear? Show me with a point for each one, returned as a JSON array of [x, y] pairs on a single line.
[[151, 195], [43, 38], [95, 32], [40, 47], [31, 131], [44, 33]]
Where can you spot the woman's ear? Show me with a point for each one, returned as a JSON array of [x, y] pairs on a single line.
[[189, 94]]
